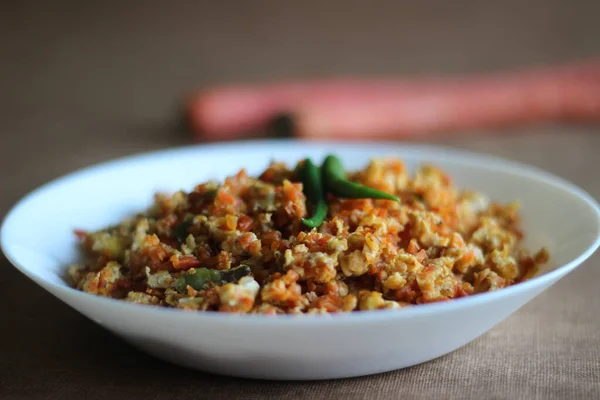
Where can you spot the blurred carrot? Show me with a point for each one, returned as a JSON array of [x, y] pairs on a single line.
[[389, 108], [227, 111]]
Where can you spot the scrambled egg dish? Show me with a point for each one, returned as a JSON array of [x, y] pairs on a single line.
[[241, 246]]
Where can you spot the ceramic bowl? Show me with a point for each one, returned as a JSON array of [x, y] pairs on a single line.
[[37, 237]]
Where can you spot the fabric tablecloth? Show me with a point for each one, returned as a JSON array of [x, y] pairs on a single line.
[[84, 82]]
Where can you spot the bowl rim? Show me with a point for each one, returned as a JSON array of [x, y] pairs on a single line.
[[422, 310]]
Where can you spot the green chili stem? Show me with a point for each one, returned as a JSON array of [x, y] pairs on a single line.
[[336, 183]]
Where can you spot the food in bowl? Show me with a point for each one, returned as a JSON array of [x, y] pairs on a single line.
[[310, 240]]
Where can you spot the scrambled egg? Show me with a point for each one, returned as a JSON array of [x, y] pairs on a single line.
[[437, 244]]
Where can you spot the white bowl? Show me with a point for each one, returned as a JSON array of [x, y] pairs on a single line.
[[37, 238]]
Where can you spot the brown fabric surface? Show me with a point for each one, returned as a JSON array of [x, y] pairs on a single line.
[[83, 82]]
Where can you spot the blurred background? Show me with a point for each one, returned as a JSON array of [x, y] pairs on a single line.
[[86, 81]]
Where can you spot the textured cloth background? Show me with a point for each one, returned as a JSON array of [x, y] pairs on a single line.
[[82, 82]]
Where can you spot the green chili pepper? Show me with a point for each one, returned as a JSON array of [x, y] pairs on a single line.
[[201, 278], [181, 230], [312, 183], [336, 183]]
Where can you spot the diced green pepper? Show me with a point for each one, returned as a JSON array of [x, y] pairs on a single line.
[[181, 230], [202, 278]]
